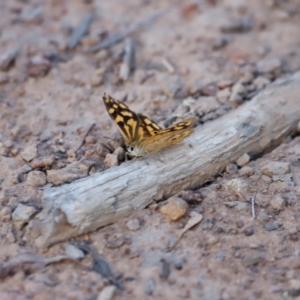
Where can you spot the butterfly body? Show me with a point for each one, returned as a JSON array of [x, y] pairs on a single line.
[[143, 135]]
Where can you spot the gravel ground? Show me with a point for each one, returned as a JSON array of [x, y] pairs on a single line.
[[201, 58]]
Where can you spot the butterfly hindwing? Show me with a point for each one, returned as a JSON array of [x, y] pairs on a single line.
[[169, 136]]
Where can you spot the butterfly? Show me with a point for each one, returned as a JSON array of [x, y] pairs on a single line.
[[142, 135]]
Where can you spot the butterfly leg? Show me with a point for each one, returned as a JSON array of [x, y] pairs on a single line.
[[127, 156]]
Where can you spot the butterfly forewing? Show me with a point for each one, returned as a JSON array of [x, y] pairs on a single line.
[[127, 120]]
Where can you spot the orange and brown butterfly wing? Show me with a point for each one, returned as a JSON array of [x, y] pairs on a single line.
[[127, 121], [169, 136], [148, 127]]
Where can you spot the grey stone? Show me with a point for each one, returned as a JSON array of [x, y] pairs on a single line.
[[271, 227]]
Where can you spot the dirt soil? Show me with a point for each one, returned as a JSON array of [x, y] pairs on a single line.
[[201, 58]]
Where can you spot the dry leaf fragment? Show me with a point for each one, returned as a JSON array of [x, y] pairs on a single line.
[[195, 219]]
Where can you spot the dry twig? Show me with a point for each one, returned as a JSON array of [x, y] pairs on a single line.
[[119, 37], [79, 32], [86, 134]]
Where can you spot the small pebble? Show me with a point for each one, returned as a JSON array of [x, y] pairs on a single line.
[[247, 76], [67, 174], [107, 293], [175, 209], [242, 206], [244, 159], [96, 80], [212, 240], [101, 150], [4, 78], [260, 82], [246, 171], [172, 86], [90, 139], [277, 202], [239, 26], [73, 251], [22, 214], [111, 160], [7, 58], [268, 65], [29, 153], [271, 226], [248, 231], [208, 224], [233, 231], [8, 143], [115, 241], [223, 95], [240, 224], [71, 153], [5, 214], [252, 260], [220, 42], [230, 203], [36, 178], [266, 179], [191, 196], [222, 84], [236, 98], [42, 162], [14, 152], [133, 224], [178, 265], [231, 169], [38, 66], [262, 217], [209, 90], [276, 168]]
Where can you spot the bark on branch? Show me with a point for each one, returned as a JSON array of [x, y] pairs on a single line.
[[101, 199]]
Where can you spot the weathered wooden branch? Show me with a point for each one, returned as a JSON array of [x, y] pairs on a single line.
[[101, 199]]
